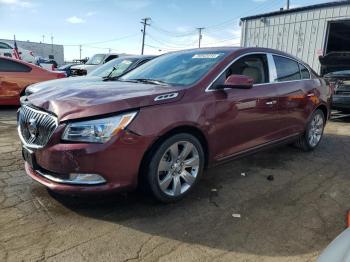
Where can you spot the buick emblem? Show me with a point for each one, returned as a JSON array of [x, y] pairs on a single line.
[[32, 128]]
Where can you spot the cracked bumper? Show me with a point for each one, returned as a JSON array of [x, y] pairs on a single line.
[[117, 161]]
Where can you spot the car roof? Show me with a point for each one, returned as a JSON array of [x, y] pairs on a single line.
[[233, 49], [22, 62]]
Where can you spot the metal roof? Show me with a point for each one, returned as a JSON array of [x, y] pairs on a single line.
[[298, 9]]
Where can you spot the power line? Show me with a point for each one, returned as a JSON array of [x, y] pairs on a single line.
[[171, 45], [102, 42], [173, 34]]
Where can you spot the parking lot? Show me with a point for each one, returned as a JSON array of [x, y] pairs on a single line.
[[291, 217]]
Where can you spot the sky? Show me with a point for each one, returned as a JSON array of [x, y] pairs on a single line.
[[114, 25]]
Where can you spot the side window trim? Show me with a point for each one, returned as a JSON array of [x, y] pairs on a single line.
[[271, 67]]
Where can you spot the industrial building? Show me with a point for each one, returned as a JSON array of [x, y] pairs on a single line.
[[41, 49], [306, 32]]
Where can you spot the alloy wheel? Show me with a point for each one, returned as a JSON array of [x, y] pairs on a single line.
[[315, 130], [178, 168]]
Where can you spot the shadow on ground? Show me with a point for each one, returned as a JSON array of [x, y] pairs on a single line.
[[300, 211]]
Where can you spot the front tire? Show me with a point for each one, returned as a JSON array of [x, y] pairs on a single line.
[[175, 167], [313, 133]]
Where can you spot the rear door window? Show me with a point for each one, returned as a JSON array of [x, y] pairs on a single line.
[[287, 69], [12, 66], [4, 46], [304, 72]]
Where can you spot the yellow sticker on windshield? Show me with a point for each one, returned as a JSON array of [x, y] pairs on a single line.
[[206, 56]]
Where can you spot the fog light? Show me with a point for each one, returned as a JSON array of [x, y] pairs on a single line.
[[90, 179]]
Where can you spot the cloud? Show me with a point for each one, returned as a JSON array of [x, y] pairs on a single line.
[[16, 3], [75, 20], [133, 4]]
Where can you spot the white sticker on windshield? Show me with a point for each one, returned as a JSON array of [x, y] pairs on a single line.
[[126, 62], [206, 56]]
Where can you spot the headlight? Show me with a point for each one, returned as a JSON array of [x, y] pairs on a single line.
[[99, 130]]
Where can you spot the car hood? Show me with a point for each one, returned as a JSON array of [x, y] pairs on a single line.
[[334, 61], [85, 67], [61, 83], [338, 250], [90, 98], [339, 74]]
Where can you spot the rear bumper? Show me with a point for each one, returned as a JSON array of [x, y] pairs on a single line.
[[341, 102]]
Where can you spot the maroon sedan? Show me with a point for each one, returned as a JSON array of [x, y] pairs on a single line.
[[161, 124]]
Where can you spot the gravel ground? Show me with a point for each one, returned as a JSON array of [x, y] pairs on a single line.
[[290, 218]]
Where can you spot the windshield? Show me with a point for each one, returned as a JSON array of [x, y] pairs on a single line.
[[181, 68], [95, 59], [113, 68]]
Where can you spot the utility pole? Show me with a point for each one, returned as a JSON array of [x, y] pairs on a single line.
[[144, 22], [80, 52], [52, 44], [287, 5], [199, 36]]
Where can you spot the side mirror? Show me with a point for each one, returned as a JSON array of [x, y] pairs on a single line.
[[239, 81]]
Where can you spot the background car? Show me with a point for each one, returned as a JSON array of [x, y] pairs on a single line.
[[7, 50], [112, 69], [16, 75], [338, 250], [48, 64], [94, 62], [119, 66], [66, 68], [335, 67]]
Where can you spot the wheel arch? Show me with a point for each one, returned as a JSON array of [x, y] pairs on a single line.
[[325, 111], [180, 129]]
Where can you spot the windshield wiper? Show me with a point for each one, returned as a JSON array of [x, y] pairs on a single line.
[[150, 81]]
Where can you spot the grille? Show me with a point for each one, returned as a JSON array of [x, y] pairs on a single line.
[[35, 127]]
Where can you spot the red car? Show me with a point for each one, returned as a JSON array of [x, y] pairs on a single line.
[[16, 75], [161, 124]]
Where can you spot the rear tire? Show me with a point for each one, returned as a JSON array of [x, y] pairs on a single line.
[[175, 167], [313, 133]]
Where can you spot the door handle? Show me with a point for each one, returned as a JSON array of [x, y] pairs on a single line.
[[273, 102]]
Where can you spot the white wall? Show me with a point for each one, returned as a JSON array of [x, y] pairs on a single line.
[[301, 34], [40, 49]]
